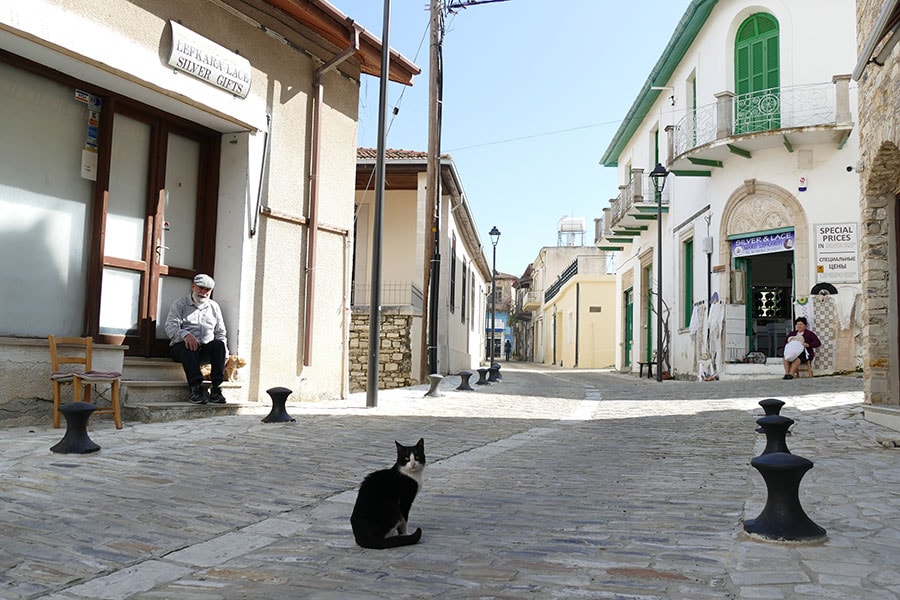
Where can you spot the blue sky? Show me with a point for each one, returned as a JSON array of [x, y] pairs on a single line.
[[534, 90]]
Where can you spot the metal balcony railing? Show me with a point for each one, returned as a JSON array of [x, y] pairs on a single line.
[[633, 197], [768, 110], [392, 294], [583, 264], [533, 298]]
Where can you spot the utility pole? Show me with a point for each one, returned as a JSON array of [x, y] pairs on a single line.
[[433, 192], [375, 293], [432, 267]]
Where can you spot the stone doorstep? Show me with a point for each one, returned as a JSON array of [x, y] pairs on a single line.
[[154, 390], [151, 369], [161, 412], [162, 401], [773, 368], [887, 416], [136, 392]]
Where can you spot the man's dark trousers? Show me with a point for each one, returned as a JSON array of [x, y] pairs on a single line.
[[213, 353]]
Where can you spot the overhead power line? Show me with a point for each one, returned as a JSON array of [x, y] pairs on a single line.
[[535, 135], [468, 3]]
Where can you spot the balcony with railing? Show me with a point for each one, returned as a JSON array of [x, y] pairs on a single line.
[[630, 213], [532, 300], [393, 295], [740, 125], [581, 264]]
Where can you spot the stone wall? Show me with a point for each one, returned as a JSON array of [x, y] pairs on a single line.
[[879, 129], [395, 356]]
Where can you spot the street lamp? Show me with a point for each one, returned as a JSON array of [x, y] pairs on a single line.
[[495, 237], [658, 177]]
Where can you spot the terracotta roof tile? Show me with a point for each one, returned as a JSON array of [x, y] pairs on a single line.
[[393, 154]]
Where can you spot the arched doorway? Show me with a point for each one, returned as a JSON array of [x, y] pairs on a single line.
[[765, 247]]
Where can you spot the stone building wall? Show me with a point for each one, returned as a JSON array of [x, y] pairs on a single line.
[[395, 356], [879, 129]]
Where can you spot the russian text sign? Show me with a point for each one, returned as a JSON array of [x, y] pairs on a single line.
[[837, 252]]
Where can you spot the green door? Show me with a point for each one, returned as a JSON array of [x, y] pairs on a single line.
[[746, 265], [757, 75], [629, 324]]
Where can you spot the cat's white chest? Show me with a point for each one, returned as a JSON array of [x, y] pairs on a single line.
[[415, 475]]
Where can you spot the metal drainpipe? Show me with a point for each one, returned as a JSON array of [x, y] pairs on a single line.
[[313, 220]]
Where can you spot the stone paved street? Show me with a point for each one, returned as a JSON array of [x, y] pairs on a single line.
[[551, 484]]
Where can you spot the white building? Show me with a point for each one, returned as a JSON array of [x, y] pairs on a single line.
[[750, 108], [464, 274]]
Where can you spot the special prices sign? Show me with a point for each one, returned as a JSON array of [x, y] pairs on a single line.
[[837, 252], [195, 55]]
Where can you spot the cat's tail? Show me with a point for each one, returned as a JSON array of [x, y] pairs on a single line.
[[393, 541]]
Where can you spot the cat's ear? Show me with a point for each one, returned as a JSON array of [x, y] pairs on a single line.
[[421, 444]]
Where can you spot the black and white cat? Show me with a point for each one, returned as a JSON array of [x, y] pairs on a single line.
[[382, 506]]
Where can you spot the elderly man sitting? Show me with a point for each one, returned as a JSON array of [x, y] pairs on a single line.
[[197, 335]]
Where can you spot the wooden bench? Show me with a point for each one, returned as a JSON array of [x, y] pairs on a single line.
[[649, 366]]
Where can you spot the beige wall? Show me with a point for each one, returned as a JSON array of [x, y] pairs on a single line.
[[261, 277], [596, 331], [398, 238]]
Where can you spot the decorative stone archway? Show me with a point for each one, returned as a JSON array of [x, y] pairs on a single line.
[[879, 244], [759, 206]]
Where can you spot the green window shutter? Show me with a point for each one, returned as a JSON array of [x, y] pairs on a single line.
[[650, 314], [655, 149], [742, 70], [688, 284], [773, 79], [757, 75], [629, 324]]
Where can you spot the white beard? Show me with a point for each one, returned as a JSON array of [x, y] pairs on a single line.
[[199, 301]]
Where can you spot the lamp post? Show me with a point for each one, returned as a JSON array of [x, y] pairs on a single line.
[[495, 237], [658, 177]]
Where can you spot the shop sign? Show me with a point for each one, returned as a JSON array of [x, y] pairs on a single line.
[[195, 55], [763, 244], [837, 252]]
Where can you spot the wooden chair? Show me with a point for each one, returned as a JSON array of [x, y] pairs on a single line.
[[81, 379], [805, 367]]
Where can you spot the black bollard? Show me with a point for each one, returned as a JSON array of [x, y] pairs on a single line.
[[434, 380], [783, 518], [496, 366], [494, 373], [771, 406], [278, 414], [775, 427], [76, 439], [464, 381], [482, 377]]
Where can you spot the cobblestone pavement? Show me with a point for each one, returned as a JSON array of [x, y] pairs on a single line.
[[550, 484]]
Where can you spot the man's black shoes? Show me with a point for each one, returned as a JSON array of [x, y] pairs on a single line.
[[198, 395], [215, 395], [201, 396]]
